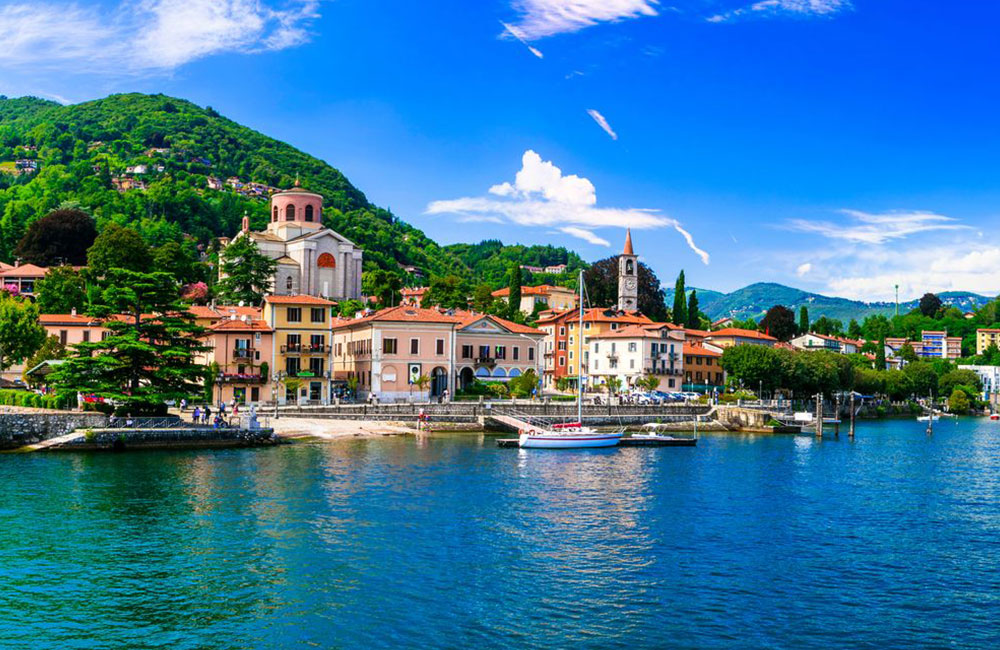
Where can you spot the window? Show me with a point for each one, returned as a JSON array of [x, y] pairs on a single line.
[[614, 363], [414, 346], [596, 364], [631, 347], [388, 346], [318, 314], [516, 352], [531, 354], [484, 352], [292, 366], [597, 348], [62, 336], [562, 361], [293, 342], [290, 213], [86, 336], [631, 364], [317, 342], [274, 214], [105, 335], [697, 361], [653, 347], [288, 284], [562, 345], [316, 366], [570, 355], [466, 351], [309, 213], [562, 331], [439, 347], [629, 267], [501, 352], [255, 394]]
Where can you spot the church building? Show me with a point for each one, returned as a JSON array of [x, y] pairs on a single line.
[[311, 260], [628, 277]]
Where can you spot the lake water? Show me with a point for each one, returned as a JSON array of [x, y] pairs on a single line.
[[891, 541]]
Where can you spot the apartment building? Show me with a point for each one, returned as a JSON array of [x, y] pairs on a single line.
[[300, 350], [636, 351]]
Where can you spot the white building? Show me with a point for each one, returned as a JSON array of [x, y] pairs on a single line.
[[990, 376], [636, 351], [813, 342]]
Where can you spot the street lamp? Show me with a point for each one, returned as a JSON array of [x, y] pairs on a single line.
[[278, 376], [538, 358]]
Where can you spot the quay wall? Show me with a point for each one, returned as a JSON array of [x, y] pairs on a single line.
[[19, 429], [201, 438]]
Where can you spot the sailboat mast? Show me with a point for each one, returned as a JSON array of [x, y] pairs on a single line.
[[579, 374]]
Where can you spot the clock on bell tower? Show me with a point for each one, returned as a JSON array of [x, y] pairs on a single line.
[[628, 277]]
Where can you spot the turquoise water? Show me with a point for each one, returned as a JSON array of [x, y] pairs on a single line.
[[892, 541]]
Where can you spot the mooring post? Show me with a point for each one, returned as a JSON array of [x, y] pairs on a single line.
[[836, 416], [819, 415], [851, 432]]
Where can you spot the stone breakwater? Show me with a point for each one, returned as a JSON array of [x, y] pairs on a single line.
[[19, 429], [202, 438]]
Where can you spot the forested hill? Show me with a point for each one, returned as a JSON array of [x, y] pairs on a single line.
[[93, 154], [490, 260]]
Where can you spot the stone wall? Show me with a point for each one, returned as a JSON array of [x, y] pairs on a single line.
[[121, 439], [19, 429]]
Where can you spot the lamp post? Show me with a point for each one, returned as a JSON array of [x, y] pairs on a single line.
[[278, 376], [538, 358], [219, 381]]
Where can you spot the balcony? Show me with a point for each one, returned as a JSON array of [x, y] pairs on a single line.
[[243, 378], [300, 348], [291, 348], [243, 353], [486, 361]]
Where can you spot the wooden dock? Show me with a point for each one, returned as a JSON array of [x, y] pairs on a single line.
[[624, 442]]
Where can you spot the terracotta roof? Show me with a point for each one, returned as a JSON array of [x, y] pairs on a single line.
[[297, 300], [224, 311], [66, 319], [464, 319], [400, 314], [988, 330], [699, 351], [649, 330], [597, 315], [744, 334], [696, 333], [4, 266], [25, 270], [414, 291], [628, 242], [540, 290], [284, 259], [229, 325]]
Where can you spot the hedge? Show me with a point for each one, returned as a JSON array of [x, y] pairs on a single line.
[[32, 400]]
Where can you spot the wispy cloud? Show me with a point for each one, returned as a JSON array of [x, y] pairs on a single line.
[[516, 33], [541, 18], [541, 195], [797, 8], [150, 36], [602, 122], [802, 270], [867, 228]]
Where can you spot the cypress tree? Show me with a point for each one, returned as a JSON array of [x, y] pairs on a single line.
[[514, 299], [680, 308], [803, 320], [880, 355], [693, 321]]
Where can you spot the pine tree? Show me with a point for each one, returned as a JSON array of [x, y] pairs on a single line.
[[880, 355], [148, 356], [247, 273], [514, 299], [693, 320], [803, 320], [680, 307]]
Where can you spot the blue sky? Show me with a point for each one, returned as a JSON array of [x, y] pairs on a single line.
[[841, 147]]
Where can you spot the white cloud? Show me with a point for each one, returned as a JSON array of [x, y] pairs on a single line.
[[803, 269], [586, 235], [516, 33], [602, 122], [868, 228], [799, 8], [151, 36], [542, 196], [541, 18]]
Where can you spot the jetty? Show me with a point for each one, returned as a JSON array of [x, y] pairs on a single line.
[[627, 441]]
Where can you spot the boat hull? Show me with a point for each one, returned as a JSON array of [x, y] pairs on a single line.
[[568, 441]]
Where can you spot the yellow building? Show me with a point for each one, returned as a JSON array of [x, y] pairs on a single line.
[[984, 337], [301, 350]]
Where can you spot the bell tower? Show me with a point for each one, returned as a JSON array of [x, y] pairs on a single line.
[[628, 277]]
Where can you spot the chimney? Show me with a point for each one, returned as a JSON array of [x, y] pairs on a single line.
[[73, 311], [246, 223]]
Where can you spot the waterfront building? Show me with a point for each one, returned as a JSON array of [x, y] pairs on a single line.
[[813, 342], [388, 350], [730, 336], [311, 260], [703, 369], [990, 376], [300, 349], [243, 349], [933, 344], [553, 297], [985, 337], [636, 351]]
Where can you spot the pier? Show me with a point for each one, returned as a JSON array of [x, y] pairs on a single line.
[[627, 441]]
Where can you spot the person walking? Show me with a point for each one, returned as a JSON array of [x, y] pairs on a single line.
[[206, 414], [196, 415]]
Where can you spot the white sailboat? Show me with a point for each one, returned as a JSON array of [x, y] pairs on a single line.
[[570, 435]]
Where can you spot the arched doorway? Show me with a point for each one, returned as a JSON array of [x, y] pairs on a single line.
[[466, 378], [439, 381]]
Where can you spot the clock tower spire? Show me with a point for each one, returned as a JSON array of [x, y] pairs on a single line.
[[628, 277]]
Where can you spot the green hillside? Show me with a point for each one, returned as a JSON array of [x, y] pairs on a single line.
[[491, 260], [82, 150]]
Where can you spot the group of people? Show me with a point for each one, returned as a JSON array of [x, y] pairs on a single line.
[[203, 414]]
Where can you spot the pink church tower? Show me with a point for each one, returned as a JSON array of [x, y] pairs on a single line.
[[295, 212]]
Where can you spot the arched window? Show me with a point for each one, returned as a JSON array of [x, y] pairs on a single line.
[[288, 283], [309, 213], [326, 261], [290, 212], [274, 214], [629, 269]]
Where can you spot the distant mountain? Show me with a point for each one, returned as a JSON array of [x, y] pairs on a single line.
[[754, 300]]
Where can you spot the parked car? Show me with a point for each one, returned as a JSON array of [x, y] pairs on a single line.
[[668, 397]]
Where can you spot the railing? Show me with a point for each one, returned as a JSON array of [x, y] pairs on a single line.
[[243, 353], [238, 378], [291, 347], [115, 422], [315, 349], [300, 348], [486, 361]]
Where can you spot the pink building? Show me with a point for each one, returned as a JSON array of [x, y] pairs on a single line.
[[242, 347]]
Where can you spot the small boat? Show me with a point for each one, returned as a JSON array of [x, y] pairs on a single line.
[[572, 435], [650, 432], [995, 416], [928, 418]]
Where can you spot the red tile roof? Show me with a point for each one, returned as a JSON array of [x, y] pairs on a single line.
[[229, 325], [66, 319], [25, 270], [540, 290], [401, 314], [224, 311], [466, 318], [646, 330], [699, 351], [735, 332]]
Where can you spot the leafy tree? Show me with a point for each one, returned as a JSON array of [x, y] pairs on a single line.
[[149, 355], [854, 329], [483, 300], [563, 384], [753, 365], [921, 378], [514, 298], [930, 304], [679, 312], [247, 273], [21, 335], [348, 308], [693, 319], [383, 285], [828, 326], [907, 353], [523, 386], [601, 281], [448, 292], [60, 237], [803, 320], [62, 290], [179, 261], [779, 322], [52, 348], [958, 402], [991, 355], [117, 247], [536, 312], [880, 355], [960, 378], [649, 382], [613, 384], [421, 382]]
